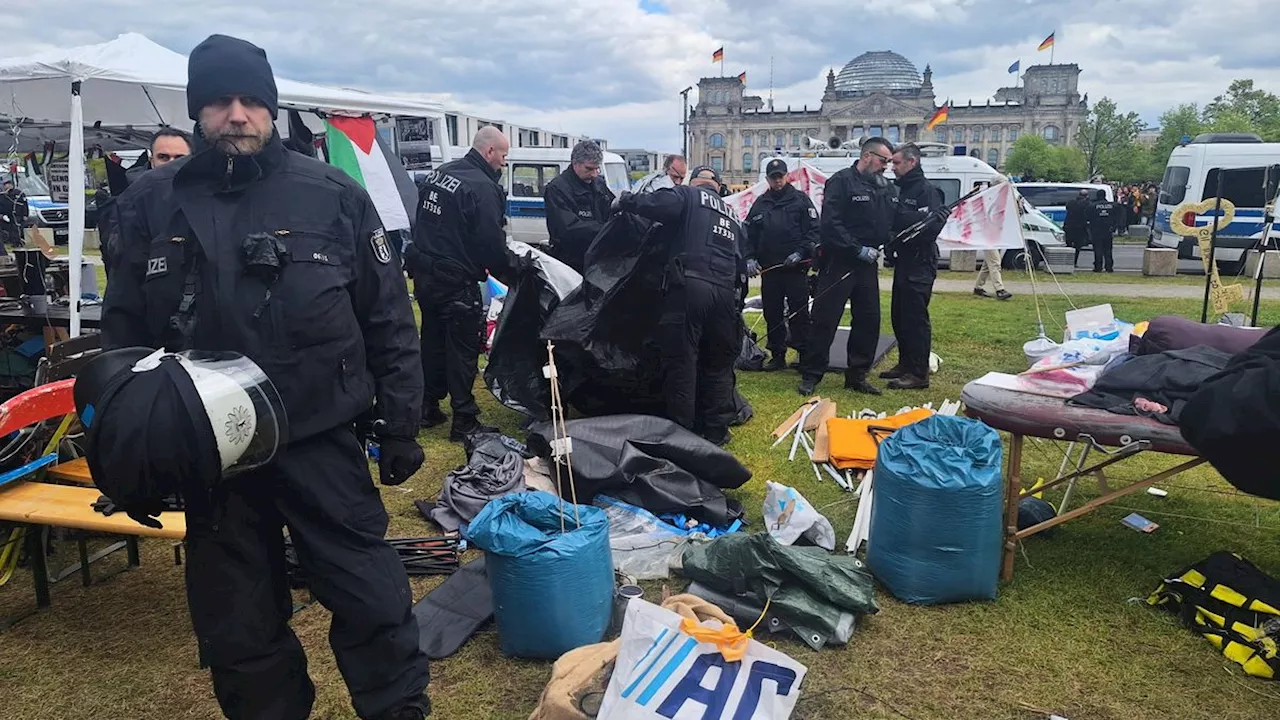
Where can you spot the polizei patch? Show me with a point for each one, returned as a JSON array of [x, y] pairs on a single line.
[[381, 250]]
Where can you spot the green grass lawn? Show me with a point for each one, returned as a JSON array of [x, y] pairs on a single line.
[[1064, 636]]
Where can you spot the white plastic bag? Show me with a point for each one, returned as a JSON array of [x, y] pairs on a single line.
[[663, 673], [788, 516]]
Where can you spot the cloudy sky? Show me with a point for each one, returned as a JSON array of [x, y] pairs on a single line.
[[614, 68]]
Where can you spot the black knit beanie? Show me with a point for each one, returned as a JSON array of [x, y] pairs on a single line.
[[222, 66]]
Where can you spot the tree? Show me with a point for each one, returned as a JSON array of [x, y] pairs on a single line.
[[1029, 156], [1033, 156], [1106, 132], [1175, 124], [1244, 108]]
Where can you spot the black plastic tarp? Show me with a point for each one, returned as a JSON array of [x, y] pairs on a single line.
[[604, 331], [649, 462]]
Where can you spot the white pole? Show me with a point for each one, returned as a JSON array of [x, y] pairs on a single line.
[[75, 204], [442, 134]]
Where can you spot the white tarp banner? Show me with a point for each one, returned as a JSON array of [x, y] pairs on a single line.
[[986, 221]]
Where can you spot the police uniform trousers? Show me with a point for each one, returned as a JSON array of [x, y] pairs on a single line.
[[238, 589], [789, 286], [699, 334], [841, 281], [909, 312], [1102, 253], [452, 318]]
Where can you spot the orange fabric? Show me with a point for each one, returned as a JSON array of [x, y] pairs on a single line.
[[853, 446]]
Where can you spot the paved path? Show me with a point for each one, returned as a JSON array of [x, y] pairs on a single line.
[[1270, 289]]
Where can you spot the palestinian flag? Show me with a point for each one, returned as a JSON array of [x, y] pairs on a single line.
[[355, 147]]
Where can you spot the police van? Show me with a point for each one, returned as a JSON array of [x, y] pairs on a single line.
[[525, 179], [954, 175], [1051, 198], [1191, 176]]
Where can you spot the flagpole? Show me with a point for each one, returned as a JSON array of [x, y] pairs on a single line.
[[1054, 46]]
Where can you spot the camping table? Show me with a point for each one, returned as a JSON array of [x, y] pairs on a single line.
[[1024, 414], [58, 316]]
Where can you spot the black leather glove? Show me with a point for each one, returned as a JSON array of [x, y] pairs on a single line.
[[616, 206], [145, 513], [398, 460], [793, 259]]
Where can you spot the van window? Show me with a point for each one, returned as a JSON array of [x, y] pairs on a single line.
[[616, 177], [950, 189], [1173, 187], [1242, 186], [1049, 195], [528, 181]]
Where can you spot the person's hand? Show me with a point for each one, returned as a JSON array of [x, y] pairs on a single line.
[[868, 254], [793, 259], [398, 460], [616, 206], [144, 513], [940, 215], [753, 267]]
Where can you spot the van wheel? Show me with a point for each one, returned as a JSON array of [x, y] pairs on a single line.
[[1014, 260]]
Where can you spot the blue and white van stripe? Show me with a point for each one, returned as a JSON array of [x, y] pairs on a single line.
[[1247, 223]]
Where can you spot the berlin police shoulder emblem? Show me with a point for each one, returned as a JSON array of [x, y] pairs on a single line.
[[381, 250]]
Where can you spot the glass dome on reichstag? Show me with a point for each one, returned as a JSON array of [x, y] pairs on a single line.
[[878, 70]]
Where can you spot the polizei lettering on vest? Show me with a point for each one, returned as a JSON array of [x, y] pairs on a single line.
[[715, 203]]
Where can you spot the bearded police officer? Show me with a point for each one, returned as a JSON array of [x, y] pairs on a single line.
[[782, 232], [858, 207], [916, 224], [1101, 219], [577, 201], [699, 332], [460, 237], [247, 247]]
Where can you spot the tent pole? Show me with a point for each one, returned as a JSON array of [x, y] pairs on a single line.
[[75, 204]]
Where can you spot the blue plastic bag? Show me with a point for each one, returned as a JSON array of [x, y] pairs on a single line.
[[935, 524], [552, 591]]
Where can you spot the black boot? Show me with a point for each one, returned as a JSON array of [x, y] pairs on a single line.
[[893, 373], [719, 437], [418, 709], [432, 417], [462, 427], [777, 361], [861, 385], [807, 386], [909, 382]]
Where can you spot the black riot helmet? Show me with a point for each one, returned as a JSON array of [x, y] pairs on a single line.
[[160, 424]]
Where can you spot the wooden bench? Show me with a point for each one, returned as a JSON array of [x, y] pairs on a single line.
[[43, 504], [74, 472]]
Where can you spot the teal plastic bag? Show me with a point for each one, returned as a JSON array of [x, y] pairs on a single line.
[[935, 524], [552, 590]]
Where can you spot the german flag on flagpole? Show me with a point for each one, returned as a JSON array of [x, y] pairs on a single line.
[[742, 77], [1048, 42], [717, 56], [938, 118]]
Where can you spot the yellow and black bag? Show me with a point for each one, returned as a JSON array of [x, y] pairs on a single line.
[[1234, 605]]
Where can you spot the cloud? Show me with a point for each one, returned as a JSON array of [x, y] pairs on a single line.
[[614, 68]]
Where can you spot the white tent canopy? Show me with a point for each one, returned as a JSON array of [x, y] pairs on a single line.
[[133, 82]]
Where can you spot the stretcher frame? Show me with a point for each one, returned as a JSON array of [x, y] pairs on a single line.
[[1130, 436]]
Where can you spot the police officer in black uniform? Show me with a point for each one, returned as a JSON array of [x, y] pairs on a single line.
[[578, 202], [858, 208], [13, 214], [914, 251], [1101, 219], [699, 332], [782, 233], [245, 246], [460, 234], [1076, 224]]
